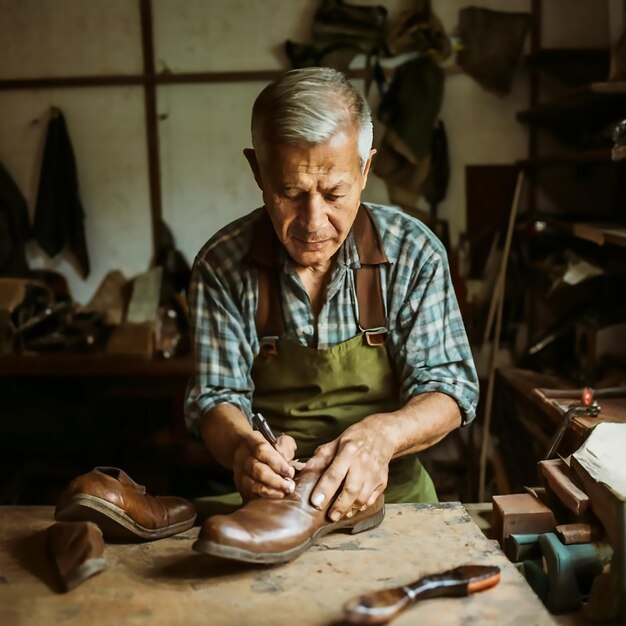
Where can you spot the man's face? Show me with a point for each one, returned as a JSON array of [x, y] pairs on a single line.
[[312, 194]]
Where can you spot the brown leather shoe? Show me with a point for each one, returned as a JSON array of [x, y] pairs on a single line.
[[122, 508], [277, 531], [77, 551]]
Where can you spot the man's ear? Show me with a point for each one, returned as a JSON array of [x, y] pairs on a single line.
[[250, 155], [366, 169]]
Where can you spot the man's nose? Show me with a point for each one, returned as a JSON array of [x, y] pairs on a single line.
[[314, 212]]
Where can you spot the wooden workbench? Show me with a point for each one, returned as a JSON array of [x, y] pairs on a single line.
[[165, 582]]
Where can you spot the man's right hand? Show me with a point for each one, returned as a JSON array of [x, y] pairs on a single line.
[[261, 470]]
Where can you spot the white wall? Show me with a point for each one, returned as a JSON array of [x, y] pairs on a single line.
[[203, 128], [43, 38]]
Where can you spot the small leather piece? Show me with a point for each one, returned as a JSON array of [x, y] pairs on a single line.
[[583, 532], [276, 531], [76, 549], [122, 508]]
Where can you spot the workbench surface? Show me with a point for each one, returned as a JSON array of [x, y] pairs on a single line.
[[165, 582]]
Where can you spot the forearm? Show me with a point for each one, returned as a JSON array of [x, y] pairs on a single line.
[[222, 430], [422, 422]]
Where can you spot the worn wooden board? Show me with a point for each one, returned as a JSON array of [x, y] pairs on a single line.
[[165, 582]]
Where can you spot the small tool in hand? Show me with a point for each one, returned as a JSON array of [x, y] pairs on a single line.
[[260, 423], [382, 606]]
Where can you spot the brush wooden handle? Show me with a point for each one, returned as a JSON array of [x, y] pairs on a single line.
[[382, 606]]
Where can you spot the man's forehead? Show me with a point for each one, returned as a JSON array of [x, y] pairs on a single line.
[[320, 177]]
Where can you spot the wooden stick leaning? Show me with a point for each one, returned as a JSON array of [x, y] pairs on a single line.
[[495, 309]]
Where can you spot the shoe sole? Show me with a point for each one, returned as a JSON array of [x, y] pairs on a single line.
[[240, 554], [86, 570], [113, 521]]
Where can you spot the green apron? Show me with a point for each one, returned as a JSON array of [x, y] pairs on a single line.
[[314, 395]]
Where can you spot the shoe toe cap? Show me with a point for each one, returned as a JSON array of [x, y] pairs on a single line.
[[178, 509], [224, 530]]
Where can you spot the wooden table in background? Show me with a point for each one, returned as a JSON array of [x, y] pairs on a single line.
[[112, 374], [165, 582]]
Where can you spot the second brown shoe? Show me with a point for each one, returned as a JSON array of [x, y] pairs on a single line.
[[122, 508], [277, 531]]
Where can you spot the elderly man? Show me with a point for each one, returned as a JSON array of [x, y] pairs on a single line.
[[334, 318]]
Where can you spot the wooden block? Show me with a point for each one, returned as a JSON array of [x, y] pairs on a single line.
[[556, 475], [520, 514], [579, 533], [132, 339]]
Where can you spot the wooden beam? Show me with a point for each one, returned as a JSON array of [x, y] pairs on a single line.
[[152, 131], [166, 78], [70, 81]]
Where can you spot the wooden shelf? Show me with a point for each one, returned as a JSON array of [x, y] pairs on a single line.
[[571, 66], [600, 233], [93, 365], [582, 113], [593, 98], [607, 88], [598, 156]]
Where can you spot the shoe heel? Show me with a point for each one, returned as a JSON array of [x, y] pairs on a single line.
[[368, 522]]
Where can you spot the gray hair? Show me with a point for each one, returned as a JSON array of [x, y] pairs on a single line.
[[310, 106]]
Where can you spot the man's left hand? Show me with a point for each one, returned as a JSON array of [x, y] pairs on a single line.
[[356, 464]]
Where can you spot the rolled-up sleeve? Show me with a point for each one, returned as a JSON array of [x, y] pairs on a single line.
[[222, 352]]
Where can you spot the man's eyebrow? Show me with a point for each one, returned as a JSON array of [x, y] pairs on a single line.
[[336, 186]]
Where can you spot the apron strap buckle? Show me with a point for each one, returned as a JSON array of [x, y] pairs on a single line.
[[375, 337], [268, 346]]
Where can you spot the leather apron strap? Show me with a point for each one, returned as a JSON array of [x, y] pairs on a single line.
[[370, 297], [369, 291], [263, 254]]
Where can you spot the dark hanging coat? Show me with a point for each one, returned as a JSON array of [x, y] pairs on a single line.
[[14, 227], [59, 213]]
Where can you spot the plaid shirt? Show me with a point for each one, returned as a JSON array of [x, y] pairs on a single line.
[[427, 343]]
